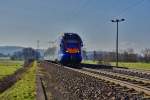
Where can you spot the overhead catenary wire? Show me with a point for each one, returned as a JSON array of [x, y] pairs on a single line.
[[129, 8], [123, 11]]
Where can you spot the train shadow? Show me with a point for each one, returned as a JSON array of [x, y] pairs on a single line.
[[83, 65], [96, 66]]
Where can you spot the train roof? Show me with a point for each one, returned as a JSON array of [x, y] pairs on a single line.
[[68, 36], [68, 33], [71, 36]]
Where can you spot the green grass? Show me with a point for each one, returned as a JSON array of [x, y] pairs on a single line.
[[8, 67], [89, 62], [24, 89], [135, 65]]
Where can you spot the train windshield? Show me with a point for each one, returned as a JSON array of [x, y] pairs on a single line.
[[72, 37], [72, 44]]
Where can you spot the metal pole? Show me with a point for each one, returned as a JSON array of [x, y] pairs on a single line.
[[117, 21], [117, 46]]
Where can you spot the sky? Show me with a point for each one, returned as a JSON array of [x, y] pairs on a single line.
[[23, 22]]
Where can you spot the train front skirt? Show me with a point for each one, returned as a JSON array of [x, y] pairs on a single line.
[[70, 58]]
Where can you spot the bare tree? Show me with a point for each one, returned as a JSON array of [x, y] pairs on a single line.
[[84, 54], [129, 55], [50, 51], [146, 54], [95, 55]]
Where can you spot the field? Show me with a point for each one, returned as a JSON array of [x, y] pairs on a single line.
[[8, 67], [136, 65], [24, 89], [90, 62]]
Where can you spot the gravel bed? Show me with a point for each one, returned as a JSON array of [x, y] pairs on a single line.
[[133, 81], [77, 86]]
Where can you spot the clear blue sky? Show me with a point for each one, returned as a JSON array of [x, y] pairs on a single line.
[[23, 22]]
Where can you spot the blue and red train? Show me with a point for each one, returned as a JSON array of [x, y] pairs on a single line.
[[68, 49]]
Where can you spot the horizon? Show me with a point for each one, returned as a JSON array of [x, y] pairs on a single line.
[[120, 50]]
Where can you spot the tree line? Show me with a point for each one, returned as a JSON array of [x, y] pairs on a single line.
[[26, 54], [125, 56]]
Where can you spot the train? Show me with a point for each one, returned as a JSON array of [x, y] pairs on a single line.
[[68, 47]]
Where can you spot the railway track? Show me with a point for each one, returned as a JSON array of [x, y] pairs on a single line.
[[140, 85], [106, 77], [135, 73], [135, 70], [131, 72], [123, 84], [144, 83]]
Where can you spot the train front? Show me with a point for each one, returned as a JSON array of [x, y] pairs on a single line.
[[72, 49]]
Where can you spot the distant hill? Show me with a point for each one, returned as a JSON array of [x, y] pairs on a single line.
[[5, 50], [10, 49]]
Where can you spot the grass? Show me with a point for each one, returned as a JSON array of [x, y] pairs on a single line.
[[137, 65], [8, 67], [24, 89], [90, 62], [134, 65]]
